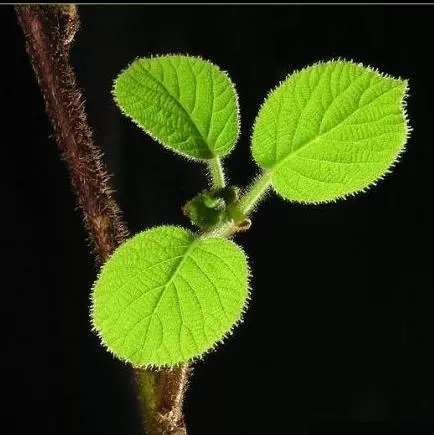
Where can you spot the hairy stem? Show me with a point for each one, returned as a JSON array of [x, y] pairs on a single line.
[[162, 393], [216, 173], [255, 193], [49, 31]]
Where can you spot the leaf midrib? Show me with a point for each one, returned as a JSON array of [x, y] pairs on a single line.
[[309, 142], [173, 275], [180, 105]]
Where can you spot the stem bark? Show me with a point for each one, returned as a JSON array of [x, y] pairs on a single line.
[[49, 31]]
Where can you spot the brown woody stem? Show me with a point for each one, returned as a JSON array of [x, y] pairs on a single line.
[[49, 31]]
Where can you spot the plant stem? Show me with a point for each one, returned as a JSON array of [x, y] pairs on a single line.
[[216, 173], [255, 193], [163, 410], [49, 31]]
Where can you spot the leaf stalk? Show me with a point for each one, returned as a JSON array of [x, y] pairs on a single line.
[[255, 193], [216, 172]]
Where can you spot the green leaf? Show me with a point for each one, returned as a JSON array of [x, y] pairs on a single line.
[[167, 296], [184, 102], [330, 130]]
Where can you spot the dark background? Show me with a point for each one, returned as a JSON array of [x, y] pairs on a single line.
[[340, 327]]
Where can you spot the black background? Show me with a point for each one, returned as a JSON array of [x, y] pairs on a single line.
[[340, 325]]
